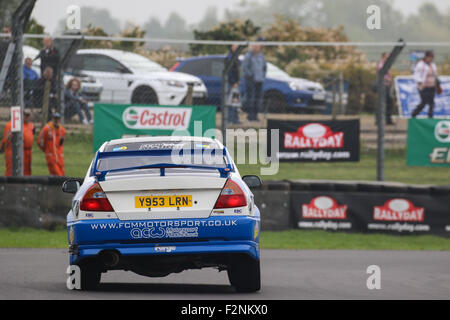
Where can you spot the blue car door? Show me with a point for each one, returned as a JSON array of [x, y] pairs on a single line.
[[214, 80], [210, 71]]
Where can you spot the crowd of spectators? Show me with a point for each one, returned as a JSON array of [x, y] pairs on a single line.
[[41, 89]]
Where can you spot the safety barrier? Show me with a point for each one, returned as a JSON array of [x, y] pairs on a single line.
[[354, 206], [33, 202]]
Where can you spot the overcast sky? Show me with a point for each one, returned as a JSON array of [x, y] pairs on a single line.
[[49, 12]]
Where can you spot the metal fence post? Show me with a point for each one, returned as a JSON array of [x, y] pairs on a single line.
[[381, 111], [381, 107], [341, 93], [189, 94], [17, 137], [224, 110], [333, 104], [19, 21]]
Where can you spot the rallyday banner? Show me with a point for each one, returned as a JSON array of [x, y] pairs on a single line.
[[428, 143], [315, 141], [397, 213], [408, 97], [114, 121]]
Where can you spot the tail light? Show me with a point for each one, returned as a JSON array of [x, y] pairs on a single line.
[[231, 196], [95, 200], [174, 66]]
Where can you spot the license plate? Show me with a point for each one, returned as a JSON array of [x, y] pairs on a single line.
[[198, 94], [163, 201], [319, 96], [91, 89]]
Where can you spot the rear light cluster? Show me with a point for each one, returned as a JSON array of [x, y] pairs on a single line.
[[231, 196], [174, 66], [95, 200]]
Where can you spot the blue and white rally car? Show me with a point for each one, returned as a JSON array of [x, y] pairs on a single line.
[[160, 205]]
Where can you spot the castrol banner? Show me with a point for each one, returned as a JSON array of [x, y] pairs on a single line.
[[428, 143], [114, 121], [316, 141]]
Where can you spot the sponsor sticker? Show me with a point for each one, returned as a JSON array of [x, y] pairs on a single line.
[[166, 249], [164, 228], [71, 235], [122, 148]]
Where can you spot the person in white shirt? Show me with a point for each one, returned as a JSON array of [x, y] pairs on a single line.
[[425, 75]]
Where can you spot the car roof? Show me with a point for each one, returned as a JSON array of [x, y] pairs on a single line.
[[214, 56], [156, 139], [114, 53]]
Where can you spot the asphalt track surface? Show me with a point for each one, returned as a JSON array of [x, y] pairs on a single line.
[[286, 274]]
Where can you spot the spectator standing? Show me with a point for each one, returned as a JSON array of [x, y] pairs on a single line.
[[11, 72], [4, 43], [28, 139], [387, 88], [45, 93], [255, 68], [51, 141], [75, 101], [233, 83], [425, 75], [30, 78], [49, 57]]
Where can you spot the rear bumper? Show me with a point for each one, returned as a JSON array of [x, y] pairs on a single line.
[[213, 235], [250, 248]]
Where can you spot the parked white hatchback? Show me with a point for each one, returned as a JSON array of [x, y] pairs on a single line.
[[128, 77]]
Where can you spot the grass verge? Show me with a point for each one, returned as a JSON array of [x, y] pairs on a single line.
[[291, 239], [32, 238], [300, 239], [78, 156]]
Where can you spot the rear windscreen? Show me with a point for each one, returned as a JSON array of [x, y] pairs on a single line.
[[198, 159]]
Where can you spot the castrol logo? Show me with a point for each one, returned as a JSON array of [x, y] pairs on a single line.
[[157, 118]]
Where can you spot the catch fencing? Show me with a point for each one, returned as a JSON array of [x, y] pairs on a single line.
[[129, 71], [303, 81]]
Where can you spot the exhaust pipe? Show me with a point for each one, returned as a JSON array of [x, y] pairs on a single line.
[[109, 258]]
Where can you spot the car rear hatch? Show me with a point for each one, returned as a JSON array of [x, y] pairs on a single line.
[[179, 193]]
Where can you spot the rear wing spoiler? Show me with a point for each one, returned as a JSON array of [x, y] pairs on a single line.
[[101, 174]]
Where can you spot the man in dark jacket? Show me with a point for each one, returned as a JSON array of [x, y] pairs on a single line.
[[255, 68], [12, 72], [49, 57], [233, 83], [4, 43]]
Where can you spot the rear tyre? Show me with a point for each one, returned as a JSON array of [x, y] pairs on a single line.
[[244, 274], [90, 276]]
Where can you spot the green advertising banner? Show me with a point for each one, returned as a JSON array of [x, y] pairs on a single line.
[[428, 143], [114, 121]]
